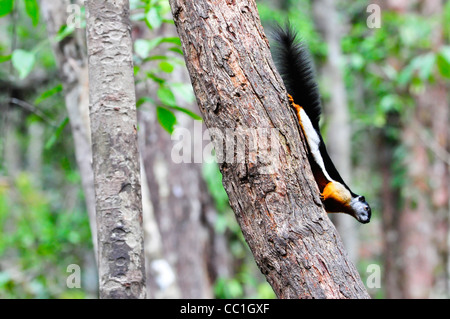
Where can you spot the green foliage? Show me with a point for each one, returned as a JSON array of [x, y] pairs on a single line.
[[166, 118], [48, 93], [6, 7], [32, 9], [56, 134], [443, 61], [155, 13], [37, 242]]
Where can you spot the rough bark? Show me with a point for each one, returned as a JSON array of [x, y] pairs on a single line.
[[281, 216], [115, 154], [336, 109], [72, 68]]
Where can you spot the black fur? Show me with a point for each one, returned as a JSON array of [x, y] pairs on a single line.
[[294, 63]]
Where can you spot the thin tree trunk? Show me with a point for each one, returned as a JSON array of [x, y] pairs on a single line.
[[115, 152], [192, 252], [72, 65], [392, 274], [279, 211]]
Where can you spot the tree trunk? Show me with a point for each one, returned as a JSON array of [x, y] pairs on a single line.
[[392, 274], [427, 196], [182, 206], [115, 153], [72, 66], [276, 203]]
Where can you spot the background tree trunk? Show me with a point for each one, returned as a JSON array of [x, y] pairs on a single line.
[[421, 219], [184, 210], [72, 66], [237, 86], [337, 114], [115, 153]]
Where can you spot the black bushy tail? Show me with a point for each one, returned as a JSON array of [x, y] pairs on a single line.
[[294, 63]]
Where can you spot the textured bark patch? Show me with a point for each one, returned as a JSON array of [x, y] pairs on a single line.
[[115, 154], [237, 87]]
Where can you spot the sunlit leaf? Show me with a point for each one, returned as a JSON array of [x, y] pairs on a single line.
[[426, 67], [166, 67], [153, 18], [166, 96], [143, 47], [184, 90], [23, 62]]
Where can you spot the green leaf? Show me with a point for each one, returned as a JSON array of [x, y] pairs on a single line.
[[174, 40], [6, 7], [166, 118], [4, 58], [136, 69], [188, 112], [145, 99], [32, 9], [184, 90], [166, 67], [153, 18], [64, 31], [443, 61], [143, 47], [45, 95], [166, 96], [52, 140], [427, 64], [23, 62], [155, 78], [176, 50], [156, 57], [138, 16]]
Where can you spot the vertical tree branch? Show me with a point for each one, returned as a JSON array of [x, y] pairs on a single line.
[[115, 154], [281, 216]]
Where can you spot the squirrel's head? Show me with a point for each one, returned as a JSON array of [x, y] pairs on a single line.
[[360, 209]]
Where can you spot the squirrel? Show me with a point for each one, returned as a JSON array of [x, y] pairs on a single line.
[[295, 65]]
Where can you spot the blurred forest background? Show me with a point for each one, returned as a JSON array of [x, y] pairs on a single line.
[[386, 114]]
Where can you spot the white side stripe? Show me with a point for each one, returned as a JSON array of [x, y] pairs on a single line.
[[313, 140]]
